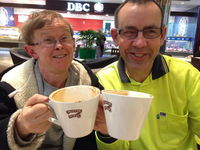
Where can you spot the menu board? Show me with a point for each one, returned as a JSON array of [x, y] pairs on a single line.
[[9, 33]]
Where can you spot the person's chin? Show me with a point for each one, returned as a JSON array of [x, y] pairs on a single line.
[[137, 65]]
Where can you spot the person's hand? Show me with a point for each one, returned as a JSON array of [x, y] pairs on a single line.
[[100, 123], [34, 116]]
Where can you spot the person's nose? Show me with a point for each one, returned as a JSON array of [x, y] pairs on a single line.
[[140, 41], [58, 44]]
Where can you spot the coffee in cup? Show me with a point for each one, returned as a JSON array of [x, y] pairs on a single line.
[[75, 108]]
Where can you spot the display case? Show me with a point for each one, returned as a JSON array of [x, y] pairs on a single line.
[[10, 37], [179, 45], [9, 33], [181, 35]]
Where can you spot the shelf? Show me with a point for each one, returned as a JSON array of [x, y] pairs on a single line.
[[11, 41], [8, 43], [180, 38], [176, 53]]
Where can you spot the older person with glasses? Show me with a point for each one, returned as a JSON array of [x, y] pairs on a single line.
[[174, 116], [23, 113]]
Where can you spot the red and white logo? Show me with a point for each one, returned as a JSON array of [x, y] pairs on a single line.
[[74, 113], [107, 105]]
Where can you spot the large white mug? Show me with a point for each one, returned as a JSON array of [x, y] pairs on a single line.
[[75, 108], [125, 112]]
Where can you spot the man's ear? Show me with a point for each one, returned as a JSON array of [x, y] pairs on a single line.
[[163, 35], [114, 35], [74, 43], [30, 51]]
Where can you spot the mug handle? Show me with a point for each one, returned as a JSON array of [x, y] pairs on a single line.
[[55, 121], [51, 119]]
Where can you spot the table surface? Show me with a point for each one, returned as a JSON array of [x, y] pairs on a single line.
[[99, 62]]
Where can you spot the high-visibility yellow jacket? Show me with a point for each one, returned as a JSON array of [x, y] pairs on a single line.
[[174, 116]]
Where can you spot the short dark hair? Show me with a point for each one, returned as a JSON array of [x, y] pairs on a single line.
[[137, 2], [38, 20]]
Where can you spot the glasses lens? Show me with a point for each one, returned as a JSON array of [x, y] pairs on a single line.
[[151, 33], [132, 34], [66, 40], [48, 42], [128, 34]]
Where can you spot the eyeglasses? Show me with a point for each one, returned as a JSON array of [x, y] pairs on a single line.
[[131, 34], [50, 42]]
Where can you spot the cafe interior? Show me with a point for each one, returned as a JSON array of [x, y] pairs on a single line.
[[182, 18]]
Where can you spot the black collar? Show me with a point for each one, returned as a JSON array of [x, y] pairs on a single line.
[[159, 69]]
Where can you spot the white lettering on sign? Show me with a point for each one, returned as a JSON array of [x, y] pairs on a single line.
[[86, 7], [78, 7], [70, 6]]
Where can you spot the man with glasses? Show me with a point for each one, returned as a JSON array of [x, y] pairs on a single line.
[[24, 89], [174, 116]]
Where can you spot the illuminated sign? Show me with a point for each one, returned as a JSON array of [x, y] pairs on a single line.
[[82, 7], [78, 7]]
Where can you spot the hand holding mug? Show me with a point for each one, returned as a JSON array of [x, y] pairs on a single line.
[[100, 123], [34, 116]]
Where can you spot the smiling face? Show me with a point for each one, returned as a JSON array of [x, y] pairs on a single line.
[[55, 58], [139, 53]]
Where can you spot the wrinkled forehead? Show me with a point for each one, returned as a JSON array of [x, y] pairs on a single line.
[[57, 26], [56, 23], [52, 31], [52, 28]]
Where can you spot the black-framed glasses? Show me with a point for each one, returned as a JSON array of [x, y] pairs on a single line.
[[51, 42], [131, 34]]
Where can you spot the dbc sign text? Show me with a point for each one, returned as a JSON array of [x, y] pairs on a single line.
[[78, 7]]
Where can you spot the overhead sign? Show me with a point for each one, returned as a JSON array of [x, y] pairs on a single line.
[[82, 7], [78, 7]]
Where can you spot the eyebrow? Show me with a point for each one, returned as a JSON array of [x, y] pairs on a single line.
[[146, 27], [64, 32], [47, 30]]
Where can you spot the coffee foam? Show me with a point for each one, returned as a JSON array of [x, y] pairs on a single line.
[[128, 93], [119, 92], [73, 94]]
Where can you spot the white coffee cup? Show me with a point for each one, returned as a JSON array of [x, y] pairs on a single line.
[[125, 112], [75, 108]]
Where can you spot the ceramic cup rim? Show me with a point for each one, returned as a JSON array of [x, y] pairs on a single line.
[[78, 86], [146, 95]]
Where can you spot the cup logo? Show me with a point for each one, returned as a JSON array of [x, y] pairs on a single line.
[[74, 113], [107, 105]]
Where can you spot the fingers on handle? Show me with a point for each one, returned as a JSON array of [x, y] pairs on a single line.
[[35, 99]]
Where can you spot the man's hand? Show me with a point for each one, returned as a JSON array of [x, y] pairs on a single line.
[[100, 123], [34, 116]]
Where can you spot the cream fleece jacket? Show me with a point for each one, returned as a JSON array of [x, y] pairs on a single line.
[[26, 86]]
